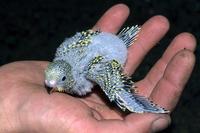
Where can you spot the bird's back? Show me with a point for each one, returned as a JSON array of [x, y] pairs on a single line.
[[99, 44]]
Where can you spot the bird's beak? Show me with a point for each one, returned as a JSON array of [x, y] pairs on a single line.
[[51, 86], [50, 90]]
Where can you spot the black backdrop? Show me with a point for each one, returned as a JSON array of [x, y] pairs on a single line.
[[32, 29]]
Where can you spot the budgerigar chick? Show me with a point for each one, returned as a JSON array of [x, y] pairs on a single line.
[[98, 57]]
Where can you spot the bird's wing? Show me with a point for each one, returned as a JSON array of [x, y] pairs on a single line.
[[118, 87], [136, 103]]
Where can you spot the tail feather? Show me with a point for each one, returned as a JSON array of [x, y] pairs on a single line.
[[129, 34]]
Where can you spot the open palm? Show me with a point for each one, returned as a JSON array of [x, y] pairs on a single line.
[[25, 106]]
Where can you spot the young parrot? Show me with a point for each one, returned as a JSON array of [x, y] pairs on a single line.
[[91, 57]]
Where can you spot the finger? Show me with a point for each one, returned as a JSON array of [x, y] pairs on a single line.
[[151, 32], [113, 19], [177, 73], [148, 122], [184, 40], [140, 123]]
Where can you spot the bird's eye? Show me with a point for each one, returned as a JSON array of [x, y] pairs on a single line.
[[63, 79]]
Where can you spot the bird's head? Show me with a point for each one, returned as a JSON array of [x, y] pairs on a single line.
[[58, 77]]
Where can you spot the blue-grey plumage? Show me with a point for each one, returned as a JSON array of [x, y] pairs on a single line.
[[136, 103], [95, 56]]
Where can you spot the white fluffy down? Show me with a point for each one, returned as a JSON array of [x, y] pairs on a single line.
[[109, 46], [105, 44]]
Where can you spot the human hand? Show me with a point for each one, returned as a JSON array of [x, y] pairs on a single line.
[[25, 106]]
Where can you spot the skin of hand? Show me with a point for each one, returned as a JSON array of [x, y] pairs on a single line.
[[25, 106]]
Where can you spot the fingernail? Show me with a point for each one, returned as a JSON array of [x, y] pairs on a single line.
[[160, 124]]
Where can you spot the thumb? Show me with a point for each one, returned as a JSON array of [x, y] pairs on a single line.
[[145, 123]]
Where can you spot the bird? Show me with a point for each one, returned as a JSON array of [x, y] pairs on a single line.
[[93, 57]]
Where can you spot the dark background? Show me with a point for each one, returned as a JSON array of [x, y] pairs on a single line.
[[32, 30]]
